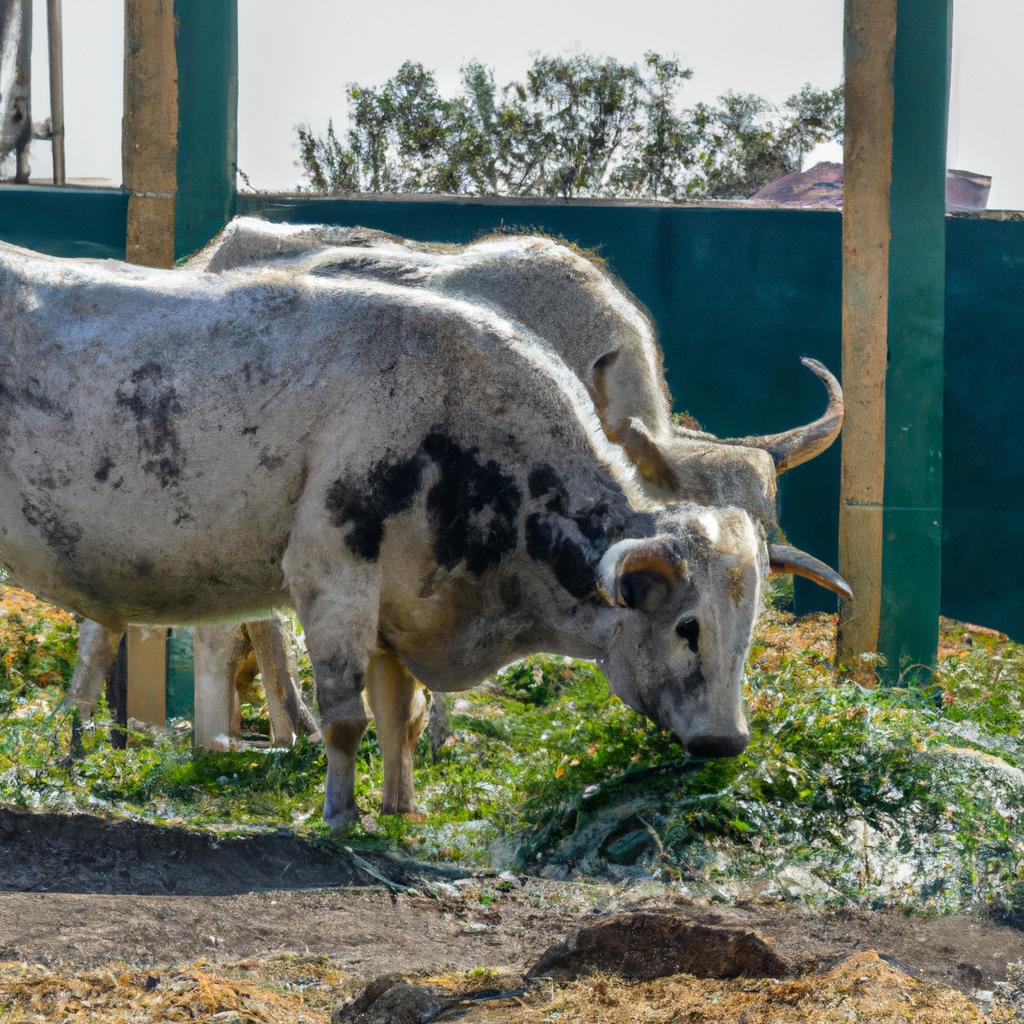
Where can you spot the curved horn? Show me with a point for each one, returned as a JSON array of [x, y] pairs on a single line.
[[792, 447], [784, 559], [631, 571]]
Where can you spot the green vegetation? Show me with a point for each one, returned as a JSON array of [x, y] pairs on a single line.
[[883, 797], [576, 125]]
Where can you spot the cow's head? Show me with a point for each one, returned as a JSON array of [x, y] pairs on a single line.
[[689, 597], [684, 464]]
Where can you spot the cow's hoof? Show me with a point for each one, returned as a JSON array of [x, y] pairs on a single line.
[[342, 820], [408, 811]]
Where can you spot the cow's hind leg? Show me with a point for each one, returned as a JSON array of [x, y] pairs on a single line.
[[400, 711], [97, 649], [288, 712]]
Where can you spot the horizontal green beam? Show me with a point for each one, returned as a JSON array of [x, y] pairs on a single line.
[[65, 221]]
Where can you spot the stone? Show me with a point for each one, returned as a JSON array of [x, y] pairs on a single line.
[[390, 999]]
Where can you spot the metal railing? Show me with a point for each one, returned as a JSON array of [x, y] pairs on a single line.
[[17, 129]]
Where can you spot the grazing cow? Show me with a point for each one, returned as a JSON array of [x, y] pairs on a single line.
[[413, 473], [590, 319]]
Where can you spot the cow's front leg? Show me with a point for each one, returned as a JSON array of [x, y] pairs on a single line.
[[400, 711], [97, 649], [341, 632]]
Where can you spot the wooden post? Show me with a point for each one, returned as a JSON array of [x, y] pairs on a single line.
[[897, 88], [179, 138]]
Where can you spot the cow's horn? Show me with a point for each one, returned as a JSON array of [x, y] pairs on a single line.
[[635, 573], [784, 559], [792, 447]]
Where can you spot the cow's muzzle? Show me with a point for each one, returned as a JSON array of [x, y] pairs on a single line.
[[717, 746]]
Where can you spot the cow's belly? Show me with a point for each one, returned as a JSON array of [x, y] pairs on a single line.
[[140, 555]]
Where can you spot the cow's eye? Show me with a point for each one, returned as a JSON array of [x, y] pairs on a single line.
[[689, 630]]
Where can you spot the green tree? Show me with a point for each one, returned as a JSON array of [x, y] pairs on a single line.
[[577, 125]]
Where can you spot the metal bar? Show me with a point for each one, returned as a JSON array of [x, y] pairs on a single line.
[[55, 37]]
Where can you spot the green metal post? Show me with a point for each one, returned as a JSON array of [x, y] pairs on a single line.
[[912, 524], [206, 46], [897, 65]]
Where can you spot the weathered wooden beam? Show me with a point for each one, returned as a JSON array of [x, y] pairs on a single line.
[[180, 115], [149, 137], [897, 88]]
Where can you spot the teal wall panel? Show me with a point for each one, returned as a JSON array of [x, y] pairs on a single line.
[[206, 42], [65, 221], [983, 442], [180, 673]]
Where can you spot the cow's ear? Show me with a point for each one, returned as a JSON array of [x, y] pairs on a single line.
[[640, 574], [646, 454]]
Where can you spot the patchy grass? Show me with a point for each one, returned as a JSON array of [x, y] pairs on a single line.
[[846, 795]]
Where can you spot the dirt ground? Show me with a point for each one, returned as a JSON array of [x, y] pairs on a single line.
[[79, 893]]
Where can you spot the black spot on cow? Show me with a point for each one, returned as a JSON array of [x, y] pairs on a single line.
[[270, 462], [149, 395], [143, 567], [510, 590], [389, 489], [61, 534], [544, 482], [573, 554], [473, 507], [103, 469], [574, 567], [249, 430]]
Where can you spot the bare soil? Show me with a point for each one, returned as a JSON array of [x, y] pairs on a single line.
[[84, 891]]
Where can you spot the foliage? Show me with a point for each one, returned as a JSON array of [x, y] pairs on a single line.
[[37, 644], [577, 125], [846, 794]]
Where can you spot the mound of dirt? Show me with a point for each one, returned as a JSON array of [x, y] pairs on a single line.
[[82, 854], [646, 945]]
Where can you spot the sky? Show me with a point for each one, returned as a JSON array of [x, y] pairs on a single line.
[[296, 57]]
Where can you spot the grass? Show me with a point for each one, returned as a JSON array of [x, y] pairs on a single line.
[[846, 795]]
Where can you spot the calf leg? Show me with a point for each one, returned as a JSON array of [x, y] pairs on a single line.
[[288, 712], [97, 649], [400, 711]]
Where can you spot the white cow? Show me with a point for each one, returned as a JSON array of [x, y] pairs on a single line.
[[413, 473]]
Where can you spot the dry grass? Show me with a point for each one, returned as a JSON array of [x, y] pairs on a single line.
[[863, 988], [283, 990], [303, 990], [784, 637]]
